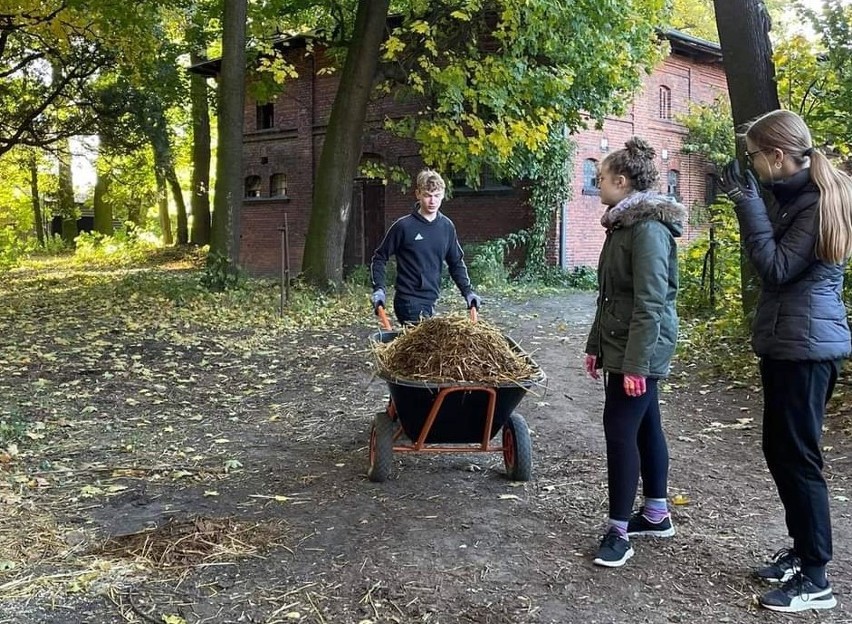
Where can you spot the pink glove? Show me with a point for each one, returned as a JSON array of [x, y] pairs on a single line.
[[634, 385], [592, 366]]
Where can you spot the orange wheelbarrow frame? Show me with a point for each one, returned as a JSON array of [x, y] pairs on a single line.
[[423, 417]]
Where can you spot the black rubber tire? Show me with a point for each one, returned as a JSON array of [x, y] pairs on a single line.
[[517, 448], [381, 448]]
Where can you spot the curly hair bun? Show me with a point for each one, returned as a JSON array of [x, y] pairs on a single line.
[[640, 148]]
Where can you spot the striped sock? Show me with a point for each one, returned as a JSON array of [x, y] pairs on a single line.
[[655, 509], [618, 525]]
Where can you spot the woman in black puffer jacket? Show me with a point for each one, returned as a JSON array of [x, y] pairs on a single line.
[[798, 246]]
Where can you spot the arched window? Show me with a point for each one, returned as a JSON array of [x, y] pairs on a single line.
[[665, 103], [590, 177], [278, 185], [253, 186], [673, 183]]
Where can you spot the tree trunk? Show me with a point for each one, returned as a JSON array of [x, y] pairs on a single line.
[[225, 236], [67, 207], [102, 206], [322, 263], [200, 202], [163, 205], [135, 212], [177, 194], [164, 167], [38, 218], [743, 27]]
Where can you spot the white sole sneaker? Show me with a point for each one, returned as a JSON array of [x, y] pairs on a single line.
[[823, 599], [617, 563]]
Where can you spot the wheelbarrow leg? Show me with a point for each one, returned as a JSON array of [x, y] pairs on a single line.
[[381, 447], [517, 448]]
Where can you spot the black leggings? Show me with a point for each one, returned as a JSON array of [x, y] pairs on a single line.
[[635, 444]]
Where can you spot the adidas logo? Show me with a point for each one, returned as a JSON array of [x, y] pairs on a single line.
[[418, 237]]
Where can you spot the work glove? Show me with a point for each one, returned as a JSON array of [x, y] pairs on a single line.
[[634, 385], [378, 299], [473, 300], [738, 186]]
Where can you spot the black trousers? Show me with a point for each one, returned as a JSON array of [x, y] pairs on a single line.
[[635, 444], [411, 311], [794, 398]]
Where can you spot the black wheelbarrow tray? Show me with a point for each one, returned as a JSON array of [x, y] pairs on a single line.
[[452, 417]]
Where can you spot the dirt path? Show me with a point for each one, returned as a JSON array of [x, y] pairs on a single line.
[[269, 446]]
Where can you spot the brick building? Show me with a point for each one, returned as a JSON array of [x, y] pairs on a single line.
[[283, 140]]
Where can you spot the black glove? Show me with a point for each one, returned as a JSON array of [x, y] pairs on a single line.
[[378, 299], [473, 300], [739, 187]]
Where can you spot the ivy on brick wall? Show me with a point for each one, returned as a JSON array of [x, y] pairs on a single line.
[[551, 188]]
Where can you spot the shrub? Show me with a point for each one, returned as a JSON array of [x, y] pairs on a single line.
[[125, 247], [486, 263]]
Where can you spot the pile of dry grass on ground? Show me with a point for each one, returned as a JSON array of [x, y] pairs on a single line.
[[453, 349]]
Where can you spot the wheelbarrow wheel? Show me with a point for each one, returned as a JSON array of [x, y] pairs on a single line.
[[381, 447], [517, 448]]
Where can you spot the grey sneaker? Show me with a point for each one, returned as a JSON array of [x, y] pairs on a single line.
[[614, 550], [640, 525], [784, 564], [798, 594]]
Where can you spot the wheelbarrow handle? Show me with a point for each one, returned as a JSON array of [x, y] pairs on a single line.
[[383, 318]]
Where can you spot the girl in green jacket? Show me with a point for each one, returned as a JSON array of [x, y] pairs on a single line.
[[632, 340]]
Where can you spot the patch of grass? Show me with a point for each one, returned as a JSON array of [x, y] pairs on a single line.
[[127, 247], [12, 427]]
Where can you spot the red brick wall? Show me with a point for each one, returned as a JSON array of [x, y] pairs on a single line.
[[688, 82], [301, 113]]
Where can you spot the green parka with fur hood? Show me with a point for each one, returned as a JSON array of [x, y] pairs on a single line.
[[635, 327]]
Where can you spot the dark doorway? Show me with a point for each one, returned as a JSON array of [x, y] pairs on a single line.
[[366, 223]]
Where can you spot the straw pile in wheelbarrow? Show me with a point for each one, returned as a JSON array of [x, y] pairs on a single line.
[[451, 348]]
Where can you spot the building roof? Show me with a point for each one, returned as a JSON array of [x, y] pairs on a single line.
[[693, 47], [680, 42]]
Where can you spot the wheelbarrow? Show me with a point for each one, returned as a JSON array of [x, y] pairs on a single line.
[[451, 418]]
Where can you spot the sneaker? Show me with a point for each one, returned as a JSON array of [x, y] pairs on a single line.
[[798, 594], [614, 550], [640, 525], [785, 563]]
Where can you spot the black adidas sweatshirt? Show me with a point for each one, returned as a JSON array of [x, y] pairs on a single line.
[[420, 247]]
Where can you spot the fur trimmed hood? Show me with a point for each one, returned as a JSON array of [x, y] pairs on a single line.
[[646, 206]]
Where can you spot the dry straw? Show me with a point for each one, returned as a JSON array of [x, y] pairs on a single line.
[[451, 348]]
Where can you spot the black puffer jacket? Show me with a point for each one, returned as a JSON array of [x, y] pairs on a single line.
[[800, 314]]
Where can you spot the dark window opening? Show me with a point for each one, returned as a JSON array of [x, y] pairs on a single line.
[[673, 184], [665, 103], [711, 189], [278, 185], [488, 183], [265, 116], [252, 186]]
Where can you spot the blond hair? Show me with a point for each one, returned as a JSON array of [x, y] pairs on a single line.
[[430, 181], [788, 132]]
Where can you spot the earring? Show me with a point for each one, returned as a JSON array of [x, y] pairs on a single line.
[[777, 165]]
